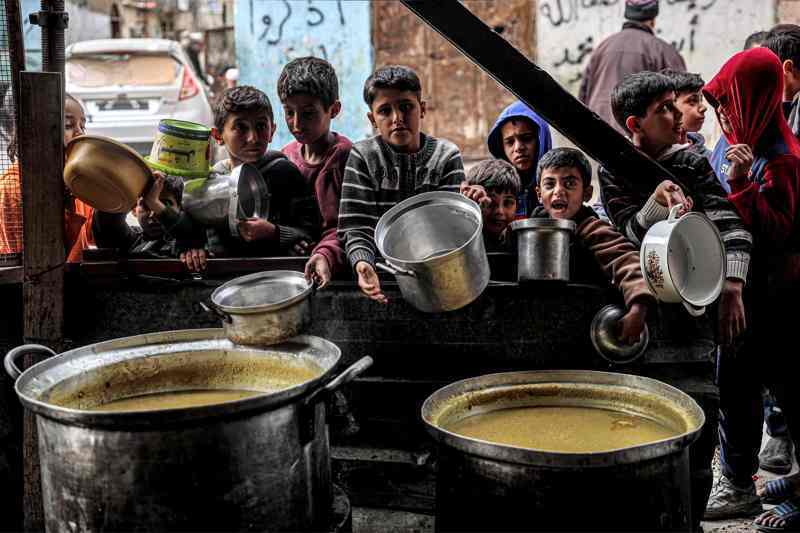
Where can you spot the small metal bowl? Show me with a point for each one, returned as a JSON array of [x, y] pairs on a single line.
[[603, 333]]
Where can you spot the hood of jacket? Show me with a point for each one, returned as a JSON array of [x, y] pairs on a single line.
[[749, 90], [520, 110]]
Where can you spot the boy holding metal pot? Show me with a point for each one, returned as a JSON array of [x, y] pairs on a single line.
[[564, 178]]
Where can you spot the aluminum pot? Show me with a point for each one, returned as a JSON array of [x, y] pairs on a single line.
[[485, 486], [222, 200], [683, 260], [543, 248], [260, 463], [433, 244], [263, 308]]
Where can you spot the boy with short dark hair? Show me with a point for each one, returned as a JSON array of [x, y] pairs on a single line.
[[521, 137], [644, 104], [565, 183], [309, 92], [244, 125], [158, 213], [501, 183], [689, 101], [398, 163]]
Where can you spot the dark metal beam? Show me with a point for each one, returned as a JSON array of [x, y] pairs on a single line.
[[501, 60]]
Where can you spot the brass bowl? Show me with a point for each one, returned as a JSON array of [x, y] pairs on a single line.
[[104, 173], [603, 333]]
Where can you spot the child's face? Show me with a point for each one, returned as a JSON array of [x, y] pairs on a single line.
[[149, 223], [500, 213], [74, 120], [562, 192], [246, 136], [520, 143], [397, 116], [693, 108], [724, 123], [307, 118], [661, 126]]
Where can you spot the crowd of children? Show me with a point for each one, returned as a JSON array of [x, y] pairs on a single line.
[[327, 194]]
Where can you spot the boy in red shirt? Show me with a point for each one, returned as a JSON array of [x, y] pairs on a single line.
[[309, 92]]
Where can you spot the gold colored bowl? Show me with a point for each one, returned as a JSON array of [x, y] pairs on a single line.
[[104, 173]]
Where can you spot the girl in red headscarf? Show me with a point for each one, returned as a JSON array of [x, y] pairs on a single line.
[[763, 171]]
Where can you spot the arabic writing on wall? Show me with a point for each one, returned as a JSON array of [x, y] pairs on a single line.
[[270, 33]]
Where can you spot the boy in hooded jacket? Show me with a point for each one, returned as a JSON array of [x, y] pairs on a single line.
[[521, 137], [764, 178]]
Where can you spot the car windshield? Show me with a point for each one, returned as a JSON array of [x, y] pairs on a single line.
[[103, 70]]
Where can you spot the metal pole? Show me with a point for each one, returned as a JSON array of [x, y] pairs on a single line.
[[53, 19]]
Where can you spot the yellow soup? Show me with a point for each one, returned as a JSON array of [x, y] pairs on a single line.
[[562, 429], [174, 400]]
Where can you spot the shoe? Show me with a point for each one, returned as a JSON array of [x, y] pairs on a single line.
[[729, 501], [776, 457]]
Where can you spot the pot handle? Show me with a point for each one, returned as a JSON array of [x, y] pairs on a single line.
[[694, 310], [673, 213], [212, 309], [352, 372], [397, 271], [9, 360]]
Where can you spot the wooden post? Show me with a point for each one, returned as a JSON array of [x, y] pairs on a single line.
[[41, 155]]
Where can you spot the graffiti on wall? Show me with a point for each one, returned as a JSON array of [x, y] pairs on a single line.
[[691, 26], [270, 33]]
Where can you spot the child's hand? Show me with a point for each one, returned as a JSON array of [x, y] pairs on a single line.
[[256, 229], [669, 194], [632, 324], [303, 247], [317, 269], [741, 158], [476, 193], [152, 198], [732, 321], [195, 260], [369, 283]]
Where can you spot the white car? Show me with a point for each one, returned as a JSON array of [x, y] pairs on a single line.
[[128, 85]]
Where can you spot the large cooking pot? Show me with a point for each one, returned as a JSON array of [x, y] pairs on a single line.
[[263, 308], [222, 200], [543, 248], [433, 244], [683, 260], [260, 463], [485, 486]]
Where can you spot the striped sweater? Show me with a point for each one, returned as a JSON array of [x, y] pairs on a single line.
[[377, 178], [631, 207]]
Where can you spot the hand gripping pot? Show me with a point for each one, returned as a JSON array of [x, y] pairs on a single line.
[[223, 200], [433, 244], [683, 261]]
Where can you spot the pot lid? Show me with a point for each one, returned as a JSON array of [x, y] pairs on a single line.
[[263, 291], [104, 173], [543, 223], [605, 341]]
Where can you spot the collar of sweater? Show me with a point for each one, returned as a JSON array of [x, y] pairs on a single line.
[[637, 26], [420, 157]]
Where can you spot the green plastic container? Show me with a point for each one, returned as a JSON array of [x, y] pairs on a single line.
[[181, 148]]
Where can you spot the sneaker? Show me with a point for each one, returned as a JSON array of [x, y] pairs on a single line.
[[729, 501], [776, 457]]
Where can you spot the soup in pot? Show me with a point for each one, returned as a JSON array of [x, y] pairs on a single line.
[[562, 429], [174, 400]]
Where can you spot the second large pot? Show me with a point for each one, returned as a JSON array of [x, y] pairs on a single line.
[[433, 244], [486, 486], [256, 464]]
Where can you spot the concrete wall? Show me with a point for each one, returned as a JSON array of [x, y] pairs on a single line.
[[706, 32], [270, 34]]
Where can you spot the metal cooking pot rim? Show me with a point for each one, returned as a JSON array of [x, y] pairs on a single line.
[[288, 277], [514, 454], [427, 198], [549, 223], [178, 339]]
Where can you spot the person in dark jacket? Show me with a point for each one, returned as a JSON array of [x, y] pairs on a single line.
[[634, 49], [521, 137]]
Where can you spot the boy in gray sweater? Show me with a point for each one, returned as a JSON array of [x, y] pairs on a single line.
[[398, 163]]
